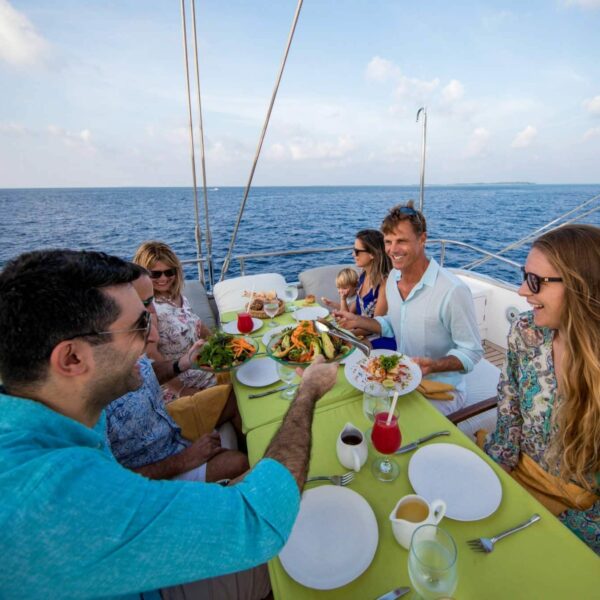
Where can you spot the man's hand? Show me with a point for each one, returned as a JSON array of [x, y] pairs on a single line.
[[346, 319], [319, 378], [202, 450], [189, 358], [425, 364]]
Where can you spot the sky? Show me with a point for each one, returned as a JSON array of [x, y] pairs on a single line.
[[92, 93]]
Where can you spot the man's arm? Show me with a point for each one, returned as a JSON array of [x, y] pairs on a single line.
[[201, 451], [291, 444], [165, 370], [349, 320], [438, 365]]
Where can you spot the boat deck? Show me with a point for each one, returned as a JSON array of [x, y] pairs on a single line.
[[493, 353]]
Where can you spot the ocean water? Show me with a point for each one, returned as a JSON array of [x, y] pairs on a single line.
[[117, 220]]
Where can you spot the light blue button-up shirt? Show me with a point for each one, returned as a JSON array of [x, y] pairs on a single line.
[[437, 319], [75, 524]]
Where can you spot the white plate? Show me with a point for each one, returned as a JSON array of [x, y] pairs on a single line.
[[310, 313], [464, 481], [271, 331], [232, 327], [357, 376], [333, 540], [258, 372]]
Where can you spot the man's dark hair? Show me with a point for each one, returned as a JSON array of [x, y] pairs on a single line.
[[49, 296]]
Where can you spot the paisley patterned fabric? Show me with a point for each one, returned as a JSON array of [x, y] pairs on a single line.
[[177, 330], [527, 395]]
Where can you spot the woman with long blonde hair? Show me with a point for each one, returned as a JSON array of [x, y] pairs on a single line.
[[548, 431]]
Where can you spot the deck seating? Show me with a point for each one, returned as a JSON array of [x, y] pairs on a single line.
[[228, 294], [320, 281], [196, 294], [482, 383]]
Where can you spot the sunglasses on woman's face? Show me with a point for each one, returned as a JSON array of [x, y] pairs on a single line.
[[534, 281], [166, 273], [357, 251]]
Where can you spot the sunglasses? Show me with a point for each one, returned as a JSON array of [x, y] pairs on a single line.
[[357, 251], [144, 323], [167, 273], [534, 281], [148, 302], [405, 210]]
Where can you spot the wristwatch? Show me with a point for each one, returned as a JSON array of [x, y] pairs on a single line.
[[176, 368]]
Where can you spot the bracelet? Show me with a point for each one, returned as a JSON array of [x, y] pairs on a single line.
[[176, 368]]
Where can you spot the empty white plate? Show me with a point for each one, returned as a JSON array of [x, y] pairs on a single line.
[[258, 372], [463, 480], [310, 313], [232, 327], [333, 540]]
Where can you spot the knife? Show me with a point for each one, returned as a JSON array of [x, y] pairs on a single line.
[[410, 447], [273, 391], [395, 594]]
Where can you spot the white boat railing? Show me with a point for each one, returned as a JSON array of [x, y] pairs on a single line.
[[442, 242]]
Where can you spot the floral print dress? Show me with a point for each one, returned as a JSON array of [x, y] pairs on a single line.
[[177, 330], [528, 396]]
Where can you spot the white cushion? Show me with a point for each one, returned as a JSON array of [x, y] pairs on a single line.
[[196, 294], [482, 383], [320, 281], [228, 293]]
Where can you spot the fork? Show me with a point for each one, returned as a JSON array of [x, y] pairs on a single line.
[[487, 544], [345, 479]]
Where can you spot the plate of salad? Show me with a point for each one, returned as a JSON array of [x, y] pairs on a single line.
[[298, 345], [224, 352], [391, 369]]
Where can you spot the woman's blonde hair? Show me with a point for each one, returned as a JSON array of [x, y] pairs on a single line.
[[149, 253], [574, 251]]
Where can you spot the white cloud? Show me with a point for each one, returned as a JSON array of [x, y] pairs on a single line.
[[411, 87], [591, 133], [453, 91], [525, 137], [308, 149], [82, 138], [380, 69], [588, 4], [20, 44], [478, 144], [593, 105]]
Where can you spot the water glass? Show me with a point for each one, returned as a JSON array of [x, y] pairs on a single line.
[[432, 562], [287, 375], [271, 309], [290, 293], [376, 399]]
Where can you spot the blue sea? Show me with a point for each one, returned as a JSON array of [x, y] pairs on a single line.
[[117, 220]]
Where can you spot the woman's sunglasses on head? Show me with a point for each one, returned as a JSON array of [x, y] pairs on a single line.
[[534, 281], [154, 274]]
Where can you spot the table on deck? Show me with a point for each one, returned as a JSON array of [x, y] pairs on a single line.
[[545, 561]]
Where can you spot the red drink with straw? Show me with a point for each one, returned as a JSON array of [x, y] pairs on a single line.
[[386, 438], [244, 322]]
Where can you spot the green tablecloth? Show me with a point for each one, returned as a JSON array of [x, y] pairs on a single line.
[[544, 561], [260, 411]]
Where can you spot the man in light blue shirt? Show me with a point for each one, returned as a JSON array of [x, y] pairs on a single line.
[[75, 524], [430, 310]]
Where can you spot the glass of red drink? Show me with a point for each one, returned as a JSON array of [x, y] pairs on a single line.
[[386, 440], [244, 322]]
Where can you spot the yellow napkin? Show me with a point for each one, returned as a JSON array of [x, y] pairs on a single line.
[[436, 390]]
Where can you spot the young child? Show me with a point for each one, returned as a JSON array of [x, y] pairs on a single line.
[[346, 283]]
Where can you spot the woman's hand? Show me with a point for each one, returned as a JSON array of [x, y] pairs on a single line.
[[330, 303], [189, 358]]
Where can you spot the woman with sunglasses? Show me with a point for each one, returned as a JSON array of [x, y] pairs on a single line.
[[548, 430], [178, 326], [370, 257]]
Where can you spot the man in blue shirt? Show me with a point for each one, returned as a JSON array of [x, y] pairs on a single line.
[[75, 524], [430, 310]]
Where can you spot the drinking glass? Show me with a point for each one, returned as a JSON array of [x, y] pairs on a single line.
[[290, 294], [287, 375], [386, 440], [432, 562], [244, 322], [271, 309], [376, 399]]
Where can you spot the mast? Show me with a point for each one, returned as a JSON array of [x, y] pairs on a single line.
[[423, 110]]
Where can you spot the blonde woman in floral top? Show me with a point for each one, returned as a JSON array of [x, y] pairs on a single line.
[[178, 326], [548, 430]]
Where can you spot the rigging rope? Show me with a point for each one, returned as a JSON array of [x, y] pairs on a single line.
[[227, 260]]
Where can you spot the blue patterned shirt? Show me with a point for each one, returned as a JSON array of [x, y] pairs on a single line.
[[139, 428], [76, 524]]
